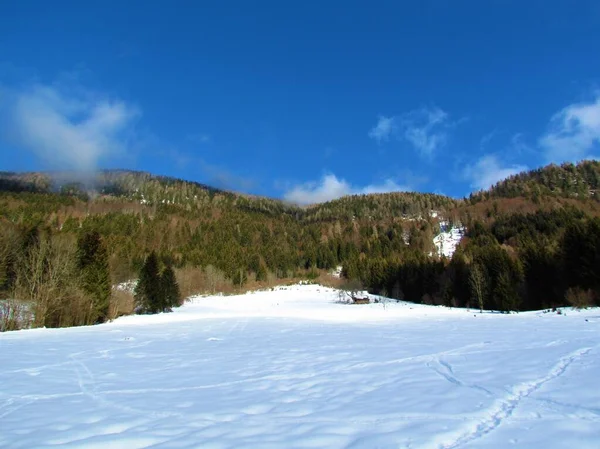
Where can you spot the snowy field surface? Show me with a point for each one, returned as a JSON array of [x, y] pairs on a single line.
[[292, 369]]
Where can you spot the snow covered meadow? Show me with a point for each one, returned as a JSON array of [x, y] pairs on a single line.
[[291, 368]]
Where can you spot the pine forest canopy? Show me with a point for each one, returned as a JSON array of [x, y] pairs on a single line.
[[518, 231]]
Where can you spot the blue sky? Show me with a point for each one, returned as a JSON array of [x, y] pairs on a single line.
[[304, 101]]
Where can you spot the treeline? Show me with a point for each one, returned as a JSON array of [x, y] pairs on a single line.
[[51, 280], [243, 237], [580, 181], [222, 248], [376, 207], [210, 240], [140, 187], [518, 262], [60, 280]]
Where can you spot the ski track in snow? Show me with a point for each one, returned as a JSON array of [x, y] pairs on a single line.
[[291, 368], [445, 370], [505, 408]]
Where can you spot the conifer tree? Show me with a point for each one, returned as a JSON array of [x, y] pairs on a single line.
[[261, 273], [505, 294], [148, 290], [92, 263], [171, 297], [9, 244], [581, 254]]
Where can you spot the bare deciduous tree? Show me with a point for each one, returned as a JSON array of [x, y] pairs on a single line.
[[46, 279], [215, 279], [477, 282], [580, 298], [350, 291], [14, 315]]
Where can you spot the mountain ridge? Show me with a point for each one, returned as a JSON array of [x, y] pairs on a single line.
[[386, 241], [574, 180]]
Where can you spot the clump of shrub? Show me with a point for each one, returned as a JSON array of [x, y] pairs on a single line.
[[14, 315], [580, 298]]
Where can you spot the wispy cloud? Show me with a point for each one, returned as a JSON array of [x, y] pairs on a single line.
[[210, 173], [519, 146], [384, 128], [224, 179], [573, 133], [487, 138], [67, 128], [426, 129], [488, 170], [199, 138], [330, 187], [388, 185]]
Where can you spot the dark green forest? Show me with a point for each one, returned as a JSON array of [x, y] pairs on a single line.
[[532, 242]]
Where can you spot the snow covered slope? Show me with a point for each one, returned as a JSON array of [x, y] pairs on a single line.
[[448, 239], [292, 369]]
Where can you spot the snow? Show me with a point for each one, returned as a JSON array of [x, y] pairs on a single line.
[[127, 286], [448, 239], [337, 272], [292, 368]]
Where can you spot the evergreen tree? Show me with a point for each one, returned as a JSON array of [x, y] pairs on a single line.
[[460, 273], [148, 291], [92, 263], [541, 264], [261, 273], [170, 296], [9, 247], [581, 254], [504, 293]]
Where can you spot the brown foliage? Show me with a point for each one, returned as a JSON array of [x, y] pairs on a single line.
[[121, 303], [580, 298], [46, 279]]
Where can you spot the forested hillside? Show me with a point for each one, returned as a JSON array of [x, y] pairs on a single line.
[[532, 242], [579, 181], [532, 227]]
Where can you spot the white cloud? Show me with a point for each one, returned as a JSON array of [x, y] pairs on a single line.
[[331, 187], [519, 146], [388, 185], [574, 132], [488, 170], [384, 129], [67, 128], [328, 188], [426, 129]]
